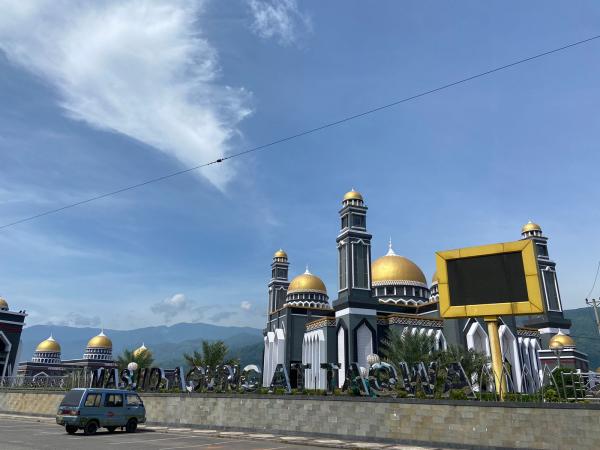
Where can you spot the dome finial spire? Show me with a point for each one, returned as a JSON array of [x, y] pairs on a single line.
[[307, 272], [390, 249]]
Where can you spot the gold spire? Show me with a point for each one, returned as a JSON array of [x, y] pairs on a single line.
[[100, 341], [563, 339], [307, 282], [280, 254], [141, 350], [48, 345], [353, 195], [530, 226], [393, 268]]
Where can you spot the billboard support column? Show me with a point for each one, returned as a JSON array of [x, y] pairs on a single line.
[[496, 351]]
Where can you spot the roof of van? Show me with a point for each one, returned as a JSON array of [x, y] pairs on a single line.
[[124, 391]]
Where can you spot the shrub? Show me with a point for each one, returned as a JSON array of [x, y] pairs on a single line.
[[550, 395], [458, 394]]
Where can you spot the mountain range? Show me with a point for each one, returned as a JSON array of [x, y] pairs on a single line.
[[168, 343]]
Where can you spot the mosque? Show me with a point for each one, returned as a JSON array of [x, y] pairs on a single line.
[[305, 327], [11, 326], [47, 361]]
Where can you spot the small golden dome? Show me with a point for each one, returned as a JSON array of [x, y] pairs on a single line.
[[280, 254], [3, 304], [560, 338], [100, 341], [48, 345], [530, 226], [307, 282], [353, 195], [140, 351], [435, 278], [394, 268], [598, 370]]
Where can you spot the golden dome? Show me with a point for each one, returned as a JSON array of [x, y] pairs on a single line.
[[434, 278], [352, 195], [564, 339], [48, 345], [141, 350], [100, 341], [3, 304], [393, 268], [598, 370], [530, 226], [307, 282], [280, 254]]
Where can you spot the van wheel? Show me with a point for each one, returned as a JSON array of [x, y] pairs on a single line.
[[111, 429], [90, 428], [131, 426], [71, 429]]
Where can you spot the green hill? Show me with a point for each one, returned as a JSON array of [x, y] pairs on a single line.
[[585, 333]]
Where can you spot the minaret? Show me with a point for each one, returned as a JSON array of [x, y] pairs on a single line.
[[552, 320], [279, 281], [355, 308], [354, 254]]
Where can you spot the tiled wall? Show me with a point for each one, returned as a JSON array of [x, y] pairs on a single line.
[[460, 423]]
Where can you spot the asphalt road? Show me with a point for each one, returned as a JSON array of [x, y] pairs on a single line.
[[32, 435]]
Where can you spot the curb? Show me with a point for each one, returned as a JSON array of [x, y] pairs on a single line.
[[284, 439]]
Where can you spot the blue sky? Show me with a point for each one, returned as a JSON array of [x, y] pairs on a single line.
[[98, 97]]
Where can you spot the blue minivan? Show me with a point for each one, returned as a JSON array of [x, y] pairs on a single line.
[[92, 408]]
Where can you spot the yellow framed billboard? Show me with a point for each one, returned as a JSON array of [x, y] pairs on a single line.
[[489, 280]]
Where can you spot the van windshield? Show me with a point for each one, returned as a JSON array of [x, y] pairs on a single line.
[[72, 398]]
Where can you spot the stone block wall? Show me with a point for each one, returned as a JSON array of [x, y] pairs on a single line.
[[443, 423]]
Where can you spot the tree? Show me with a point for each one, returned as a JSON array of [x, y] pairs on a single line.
[[213, 354], [471, 360], [408, 347], [143, 359]]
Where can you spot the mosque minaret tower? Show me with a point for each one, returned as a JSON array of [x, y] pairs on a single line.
[[308, 336]]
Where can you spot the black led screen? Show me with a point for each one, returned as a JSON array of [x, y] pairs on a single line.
[[481, 280]]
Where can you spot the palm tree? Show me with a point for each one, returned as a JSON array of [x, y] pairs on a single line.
[[471, 360], [143, 359], [213, 354], [411, 348]]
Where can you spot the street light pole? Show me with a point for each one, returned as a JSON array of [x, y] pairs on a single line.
[[594, 303], [557, 349]]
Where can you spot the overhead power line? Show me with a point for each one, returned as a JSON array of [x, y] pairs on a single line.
[[595, 279], [302, 133]]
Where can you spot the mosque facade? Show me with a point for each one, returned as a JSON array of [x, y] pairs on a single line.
[[47, 360], [11, 326], [304, 326]]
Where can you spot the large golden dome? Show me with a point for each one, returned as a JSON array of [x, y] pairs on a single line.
[[280, 254], [48, 345], [353, 195], [140, 351], [564, 339], [100, 341], [3, 304], [307, 282], [392, 268], [530, 226]]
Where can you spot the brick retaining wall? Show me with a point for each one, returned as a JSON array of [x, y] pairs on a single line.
[[470, 424]]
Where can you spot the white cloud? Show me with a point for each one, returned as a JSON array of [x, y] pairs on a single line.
[[246, 306], [170, 307], [77, 320], [139, 67], [279, 19]]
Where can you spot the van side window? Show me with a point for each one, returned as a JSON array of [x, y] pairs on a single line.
[[93, 400], [133, 400], [114, 400]]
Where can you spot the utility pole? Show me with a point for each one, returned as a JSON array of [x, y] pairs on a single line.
[[595, 303]]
